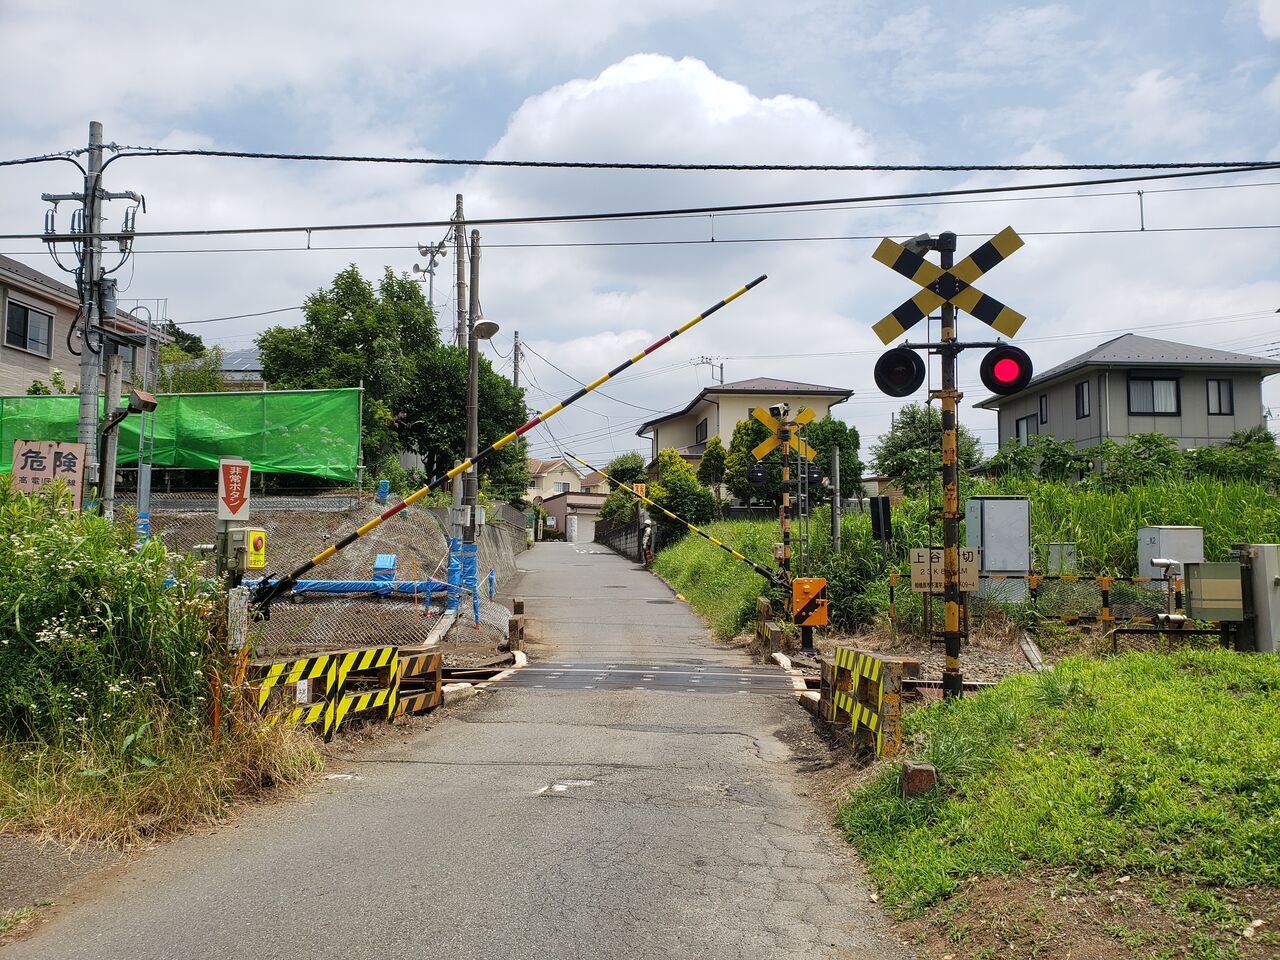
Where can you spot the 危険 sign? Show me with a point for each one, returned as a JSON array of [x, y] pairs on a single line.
[[40, 462], [926, 570], [233, 488]]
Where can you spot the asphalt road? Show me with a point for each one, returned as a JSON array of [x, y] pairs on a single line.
[[534, 821]]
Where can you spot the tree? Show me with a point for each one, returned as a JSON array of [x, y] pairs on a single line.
[[826, 434], [181, 372], [711, 469], [628, 468], [678, 490], [189, 343], [912, 447], [415, 388]]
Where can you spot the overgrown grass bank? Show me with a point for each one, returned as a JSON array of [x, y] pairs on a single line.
[[107, 676], [1103, 523], [1160, 768]]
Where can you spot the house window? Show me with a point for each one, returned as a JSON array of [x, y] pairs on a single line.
[[700, 431], [1027, 427], [1082, 399], [1154, 397], [1044, 408], [1221, 401], [28, 329], [560, 486]]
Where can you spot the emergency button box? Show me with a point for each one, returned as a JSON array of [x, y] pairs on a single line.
[[249, 547]]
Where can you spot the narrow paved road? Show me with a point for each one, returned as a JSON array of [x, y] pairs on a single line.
[[539, 820]]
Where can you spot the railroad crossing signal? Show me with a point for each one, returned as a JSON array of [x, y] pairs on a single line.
[[765, 447], [953, 285], [1005, 370]]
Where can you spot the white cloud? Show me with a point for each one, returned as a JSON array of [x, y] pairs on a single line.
[[1269, 18]]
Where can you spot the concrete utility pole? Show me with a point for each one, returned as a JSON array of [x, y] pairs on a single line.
[[90, 321], [459, 336], [460, 297], [515, 362], [471, 479], [835, 498]]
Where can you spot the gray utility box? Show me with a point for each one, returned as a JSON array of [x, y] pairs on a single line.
[[1184, 544], [1261, 582], [1000, 527]]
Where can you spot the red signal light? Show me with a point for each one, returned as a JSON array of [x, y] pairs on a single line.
[[1005, 370]]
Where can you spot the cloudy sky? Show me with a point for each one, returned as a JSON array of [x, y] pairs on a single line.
[[810, 81]]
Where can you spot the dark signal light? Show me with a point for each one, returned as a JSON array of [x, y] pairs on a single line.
[[899, 372], [1006, 370]]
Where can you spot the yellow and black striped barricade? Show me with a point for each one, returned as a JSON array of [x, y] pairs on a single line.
[[421, 682], [867, 694], [368, 679], [296, 691]]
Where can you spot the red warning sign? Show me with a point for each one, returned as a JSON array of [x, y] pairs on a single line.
[[233, 488]]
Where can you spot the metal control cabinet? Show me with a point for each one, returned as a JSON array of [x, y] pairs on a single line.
[[1184, 544], [1261, 583], [1000, 527]]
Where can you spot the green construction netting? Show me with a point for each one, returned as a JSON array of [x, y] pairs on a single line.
[[315, 432]]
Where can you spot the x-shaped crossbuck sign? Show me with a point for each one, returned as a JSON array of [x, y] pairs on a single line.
[[948, 286], [763, 449]]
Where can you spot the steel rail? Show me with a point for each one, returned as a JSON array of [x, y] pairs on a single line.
[[269, 590]]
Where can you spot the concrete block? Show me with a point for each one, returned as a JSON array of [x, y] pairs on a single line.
[[918, 778]]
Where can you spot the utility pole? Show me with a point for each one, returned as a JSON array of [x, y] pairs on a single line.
[[97, 295], [90, 321], [835, 498], [459, 337], [460, 297], [470, 483], [515, 362], [952, 681]]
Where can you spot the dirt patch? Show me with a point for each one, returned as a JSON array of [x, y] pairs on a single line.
[[1063, 917], [31, 871]]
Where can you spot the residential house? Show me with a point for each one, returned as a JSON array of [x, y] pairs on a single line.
[[549, 477], [39, 312], [575, 513], [595, 482], [717, 409], [1135, 384], [242, 369]]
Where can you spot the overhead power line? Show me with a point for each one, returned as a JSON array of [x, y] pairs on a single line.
[[236, 316], [638, 214], [126, 151]]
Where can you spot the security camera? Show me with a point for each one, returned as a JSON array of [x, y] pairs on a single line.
[[778, 410], [920, 245], [140, 401]]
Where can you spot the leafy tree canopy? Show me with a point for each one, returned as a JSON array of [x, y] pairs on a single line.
[[912, 447], [189, 343], [678, 490], [182, 372]]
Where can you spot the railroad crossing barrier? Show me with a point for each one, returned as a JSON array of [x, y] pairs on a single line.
[[862, 693], [326, 689]]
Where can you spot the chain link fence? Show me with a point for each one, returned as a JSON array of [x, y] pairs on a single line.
[[298, 527]]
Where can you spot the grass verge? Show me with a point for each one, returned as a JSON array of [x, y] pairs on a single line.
[[1163, 770], [122, 792]]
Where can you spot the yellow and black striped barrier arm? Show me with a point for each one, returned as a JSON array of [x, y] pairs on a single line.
[[268, 590], [771, 575]]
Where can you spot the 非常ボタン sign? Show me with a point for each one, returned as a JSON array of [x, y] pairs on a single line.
[[40, 462], [765, 447], [233, 488], [953, 285], [926, 570]]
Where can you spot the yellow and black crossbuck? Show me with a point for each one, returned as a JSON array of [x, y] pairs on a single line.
[[954, 285]]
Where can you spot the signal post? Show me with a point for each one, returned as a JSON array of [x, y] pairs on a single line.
[[899, 372]]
